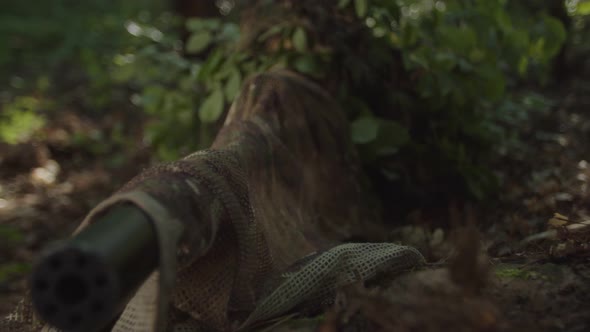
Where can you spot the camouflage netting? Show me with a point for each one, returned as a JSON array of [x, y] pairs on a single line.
[[261, 213]]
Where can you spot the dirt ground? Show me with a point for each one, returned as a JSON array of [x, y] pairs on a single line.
[[525, 268]]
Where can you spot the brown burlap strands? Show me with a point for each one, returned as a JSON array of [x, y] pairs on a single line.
[[248, 230]]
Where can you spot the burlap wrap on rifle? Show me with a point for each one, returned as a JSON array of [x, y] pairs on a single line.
[[249, 229]]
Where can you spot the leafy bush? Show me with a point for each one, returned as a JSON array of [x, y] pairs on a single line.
[[185, 96], [464, 55], [424, 82], [63, 50], [58, 55]]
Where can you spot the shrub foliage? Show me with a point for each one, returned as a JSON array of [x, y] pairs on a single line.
[[427, 84]]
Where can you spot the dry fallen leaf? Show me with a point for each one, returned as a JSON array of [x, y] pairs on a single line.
[[558, 220]]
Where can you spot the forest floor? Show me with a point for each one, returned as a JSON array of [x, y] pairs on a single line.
[[527, 268]]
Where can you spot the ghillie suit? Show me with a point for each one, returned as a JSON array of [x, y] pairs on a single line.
[[252, 228]]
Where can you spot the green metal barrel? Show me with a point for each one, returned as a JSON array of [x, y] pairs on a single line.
[[84, 283]]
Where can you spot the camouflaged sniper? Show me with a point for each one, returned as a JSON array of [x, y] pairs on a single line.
[[250, 229]]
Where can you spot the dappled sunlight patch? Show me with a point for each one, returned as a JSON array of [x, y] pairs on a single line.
[[20, 119], [46, 174]]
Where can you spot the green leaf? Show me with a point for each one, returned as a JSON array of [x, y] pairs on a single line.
[[583, 8], [493, 82], [275, 29], [361, 7], [460, 40], [445, 82], [555, 35], [343, 4], [210, 65], [13, 270], [307, 64], [523, 65], [226, 69], [212, 107], [152, 98], [300, 39], [196, 24], [444, 60], [19, 120], [503, 21], [364, 130], [230, 32], [391, 137], [198, 42], [476, 55], [465, 66], [232, 87]]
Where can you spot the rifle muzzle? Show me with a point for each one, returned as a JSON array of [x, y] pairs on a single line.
[[84, 283]]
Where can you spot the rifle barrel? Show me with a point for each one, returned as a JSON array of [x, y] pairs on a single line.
[[84, 283]]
